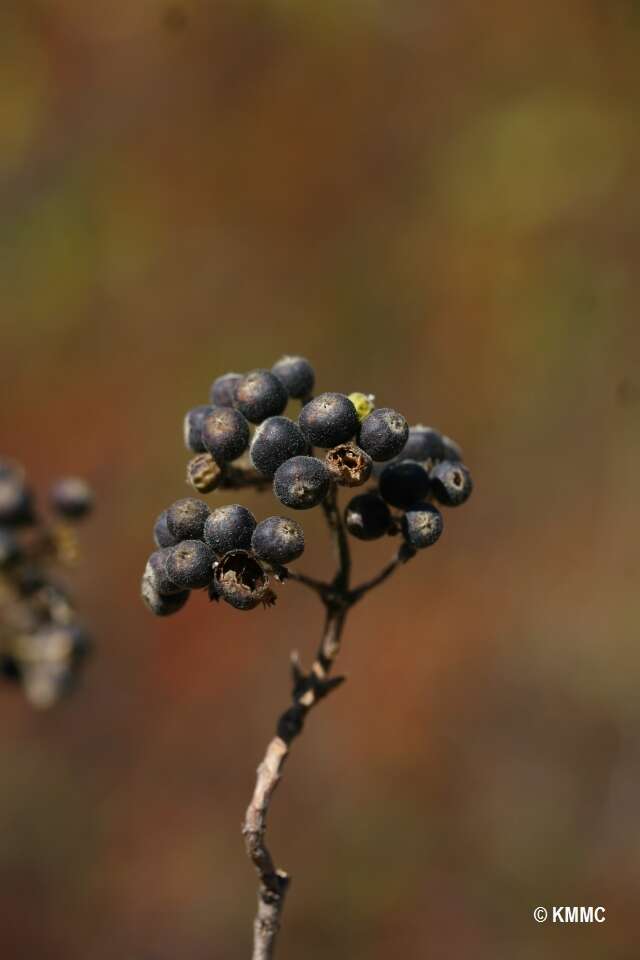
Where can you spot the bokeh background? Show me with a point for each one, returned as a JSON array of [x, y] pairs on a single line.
[[436, 202]]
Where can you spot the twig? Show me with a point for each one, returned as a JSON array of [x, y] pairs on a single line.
[[404, 553]]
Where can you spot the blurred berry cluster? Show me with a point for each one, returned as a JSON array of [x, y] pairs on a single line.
[[242, 438], [41, 642]]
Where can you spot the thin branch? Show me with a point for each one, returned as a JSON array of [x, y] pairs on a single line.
[[404, 553], [333, 516], [308, 689]]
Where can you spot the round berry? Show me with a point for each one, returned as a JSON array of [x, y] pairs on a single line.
[[203, 473], [297, 375], [156, 572], [276, 440], [301, 482], [162, 537], [451, 450], [225, 434], [229, 528], [16, 502], [348, 465], [260, 394], [192, 427], [451, 483], [422, 525], [162, 605], [186, 518], [423, 443], [189, 564], [241, 581], [278, 540], [383, 434], [223, 389], [364, 403], [367, 516], [71, 497], [404, 483], [328, 419]]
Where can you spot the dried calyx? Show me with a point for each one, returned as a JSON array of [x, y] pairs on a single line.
[[348, 465], [241, 580]]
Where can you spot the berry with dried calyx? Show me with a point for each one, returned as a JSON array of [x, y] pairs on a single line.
[[240, 580], [229, 528], [301, 482], [225, 434], [451, 483], [367, 516], [297, 375], [189, 565], [404, 483], [328, 419], [278, 540], [421, 525], [203, 473], [277, 439], [348, 465], [383, 434], [260, 394], [223, 389], [186, 518]]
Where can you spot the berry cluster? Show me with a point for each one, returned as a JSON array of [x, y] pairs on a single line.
[[242, 438], [41, 642]]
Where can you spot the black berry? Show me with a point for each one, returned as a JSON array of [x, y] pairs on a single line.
[[367, 516], [278, 539], [186, 518], [260, 394], [223, 389], [423, 443], [328, 419], [404, 483], [193, 422], [71, 497], [156, 572], [16, 502], [422, 525], [162, 536], [383, 433], [301, 483], [276, 440], [297, 375], [451, 450], [229, 528], [451, 483], [162, 605], [189, 564], [225, 434]]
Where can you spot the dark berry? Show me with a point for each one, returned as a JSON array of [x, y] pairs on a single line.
[[451, 483], [451, 450], [156, 572], [260, 394], [301, 483], [422, 525], [16, 502], [276, 440], [229, 528], [71, 497], [423, 443], [186, 518], [162, 605], [348, 465], [383, 433], [9, 548], [203, 473], [297, 374], [225, 434], [367, 516], [240, 580], [162, 537], [328, 419], [193, 422], [189, 564], [278, 539], [404, 483], [223, 389]]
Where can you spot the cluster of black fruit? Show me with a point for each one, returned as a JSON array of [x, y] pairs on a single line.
[[41, 642], [241, 438]]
